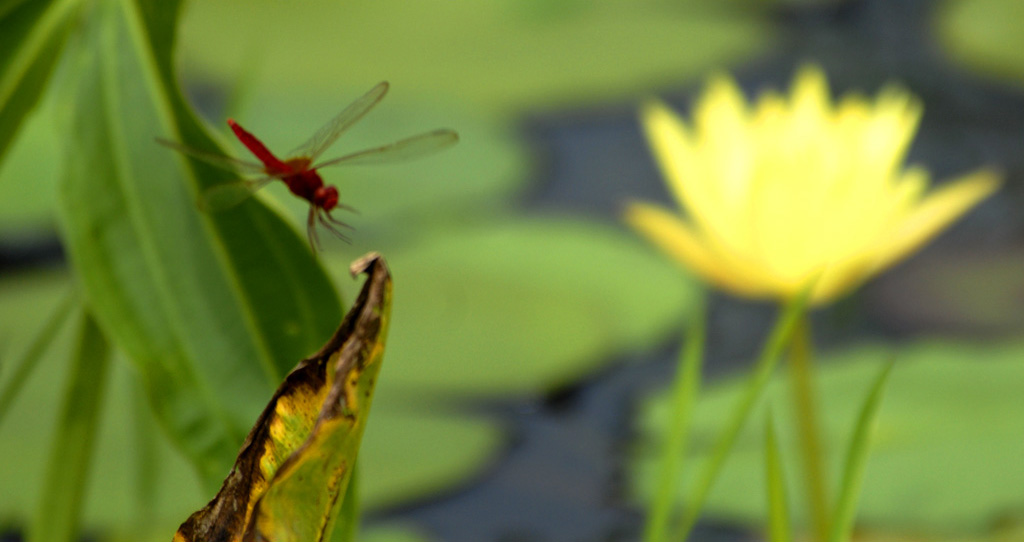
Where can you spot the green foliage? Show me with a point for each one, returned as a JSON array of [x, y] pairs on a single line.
[[856, 460], [938, 463], [173, 287], [57, 515], [138, 482], [730, 427], [212, 309], [775, 481], [683, 395], [25, 362], [34, 32]]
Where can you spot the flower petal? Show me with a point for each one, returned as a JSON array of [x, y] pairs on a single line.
[[689, 171], [936, 211], [673, 149], [677, 238], [796, 187]]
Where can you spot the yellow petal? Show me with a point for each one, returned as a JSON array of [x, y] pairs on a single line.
[[811, 102], [838, 280], [677, 239], [936, 211], [682, 166], [672, 148]]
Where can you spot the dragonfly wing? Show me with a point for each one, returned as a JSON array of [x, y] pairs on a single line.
[[227, 195], [399, 151], [219, 160], [330, 132]]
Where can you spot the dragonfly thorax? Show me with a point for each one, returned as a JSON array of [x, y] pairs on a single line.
[[304, 184]]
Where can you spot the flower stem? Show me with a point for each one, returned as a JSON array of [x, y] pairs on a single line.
[[805, 402], [683, 396], [781, 336]]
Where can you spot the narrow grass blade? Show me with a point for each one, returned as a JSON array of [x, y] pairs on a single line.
[[145, 454], [34, 34], [57, 516], [769, 358], [684, 395], [775, 481], [856, 460], [28, 361]]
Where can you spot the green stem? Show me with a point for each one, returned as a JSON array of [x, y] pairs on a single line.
[[805, 402], [684, 394], [775, 483], [781, 336]]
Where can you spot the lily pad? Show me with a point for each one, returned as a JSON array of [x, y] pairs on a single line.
[[520, 305], [408, 454], [391, 533], [499, 54], [985, 35], [946, 449]]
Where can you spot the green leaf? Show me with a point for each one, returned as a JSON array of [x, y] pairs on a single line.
[[348, 517], [775, 482], [57, 516], [34, 33], [212, 309], [291, 475], [29, 176], [856, 459], [114, 502]]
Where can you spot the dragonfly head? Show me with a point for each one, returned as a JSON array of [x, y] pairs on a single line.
[[326, 197]]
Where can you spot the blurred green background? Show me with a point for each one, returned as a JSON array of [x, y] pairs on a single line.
[[528, 321]]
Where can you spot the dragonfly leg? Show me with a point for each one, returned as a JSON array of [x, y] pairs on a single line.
[[314, 242], [329, 222], [328, 216], [348, 208]]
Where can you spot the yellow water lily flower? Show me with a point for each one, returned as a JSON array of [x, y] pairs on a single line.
[[795, 189]]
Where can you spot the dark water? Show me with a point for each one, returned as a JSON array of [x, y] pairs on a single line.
[[561, 479]]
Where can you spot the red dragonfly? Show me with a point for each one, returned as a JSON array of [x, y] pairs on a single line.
[[299, 172]]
